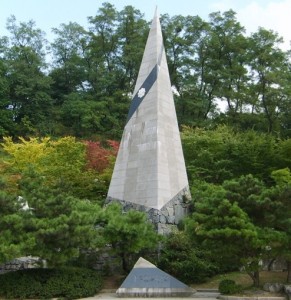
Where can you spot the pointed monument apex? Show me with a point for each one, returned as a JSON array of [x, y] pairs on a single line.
[[146, 280], [143, 263], [149, 172], [156, 14]]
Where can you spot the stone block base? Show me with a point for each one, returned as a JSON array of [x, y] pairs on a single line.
[[168, 217]]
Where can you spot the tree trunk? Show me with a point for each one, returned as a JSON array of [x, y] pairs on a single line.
[[255, 277], [124, 263], [288, 271]]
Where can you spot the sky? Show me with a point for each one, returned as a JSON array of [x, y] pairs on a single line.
[[48, 14]]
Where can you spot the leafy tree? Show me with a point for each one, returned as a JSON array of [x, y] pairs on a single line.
[[227, 50], [111, 67], [282, 176], [207, 153], [279, 214], [93, 72], [62, 225], [183, 259], [69, 48], [182, 37], [73, 110], [68, 165], [127, 233], [15, 239], [98, 157], [55, 184], [29, 87], [222, 224], [25, 154], [82, 116], [207, 62], [247, 191], [270, 69], [132, 33], [223, 153], [6, 115]]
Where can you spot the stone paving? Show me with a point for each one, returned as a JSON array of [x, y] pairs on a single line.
[[200, 295]]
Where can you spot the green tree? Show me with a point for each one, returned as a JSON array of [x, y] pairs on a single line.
[[61, 225], [71, 89], [104, 43], [224, 226], [95, 71], [182, 37], [63, 162], [29, 86], [70, 57], [279, 214], [82, 116], [247, 191], [111, 70], [207, 153], [128, 233], [186, 260], [227, 57], [15, 238], [224, 153], [6, 114], [270, 92], [25, 153], [132, 33], [207, 62]]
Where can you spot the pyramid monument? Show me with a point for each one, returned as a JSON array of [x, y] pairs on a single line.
[[150, 173], [146, 280]]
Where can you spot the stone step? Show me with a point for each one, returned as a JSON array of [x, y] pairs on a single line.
[[206, 294], [206, 290]]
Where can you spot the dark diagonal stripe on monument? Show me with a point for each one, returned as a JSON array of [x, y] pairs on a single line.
[[140, 95], [145, 87]]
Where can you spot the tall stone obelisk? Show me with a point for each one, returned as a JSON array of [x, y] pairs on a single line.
[[149, 173]]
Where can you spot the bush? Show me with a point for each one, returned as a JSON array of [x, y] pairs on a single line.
[[228, 286], [69, 283], [184, 261]]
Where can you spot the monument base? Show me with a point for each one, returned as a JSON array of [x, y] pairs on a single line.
[[146, 280], [165, 219]]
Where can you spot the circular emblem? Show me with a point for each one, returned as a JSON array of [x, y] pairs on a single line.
[[141, 92]]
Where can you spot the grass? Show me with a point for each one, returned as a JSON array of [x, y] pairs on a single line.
[[113, 282], [243, 279]]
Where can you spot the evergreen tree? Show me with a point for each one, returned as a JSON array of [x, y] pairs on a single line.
[[128, 233]]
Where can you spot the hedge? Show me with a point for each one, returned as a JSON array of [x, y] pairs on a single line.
[[68, 283]]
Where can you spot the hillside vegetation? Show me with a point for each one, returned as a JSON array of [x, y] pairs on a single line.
[[61, 123]]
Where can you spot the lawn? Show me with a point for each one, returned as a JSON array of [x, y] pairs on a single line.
[[243, 279]]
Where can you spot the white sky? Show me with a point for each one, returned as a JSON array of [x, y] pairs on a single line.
[[270, 14]]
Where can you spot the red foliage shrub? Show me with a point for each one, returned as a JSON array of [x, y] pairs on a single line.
[[98, 156], [114, 145]]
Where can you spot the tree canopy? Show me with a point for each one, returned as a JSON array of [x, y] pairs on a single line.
[[63, 106], [86, 87]]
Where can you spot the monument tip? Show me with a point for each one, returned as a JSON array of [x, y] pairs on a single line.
[[156, 14]]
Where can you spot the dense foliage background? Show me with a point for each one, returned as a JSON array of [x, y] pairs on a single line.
[[80, 84], [63, 106]]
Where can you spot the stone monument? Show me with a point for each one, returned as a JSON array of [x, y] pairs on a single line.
[[149, 173], [146, 280]]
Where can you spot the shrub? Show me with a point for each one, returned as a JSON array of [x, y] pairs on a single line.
[[69, 283], [184, 261], [228, 286]]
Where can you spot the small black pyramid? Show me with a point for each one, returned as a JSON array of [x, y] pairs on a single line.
[[146, 280]]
